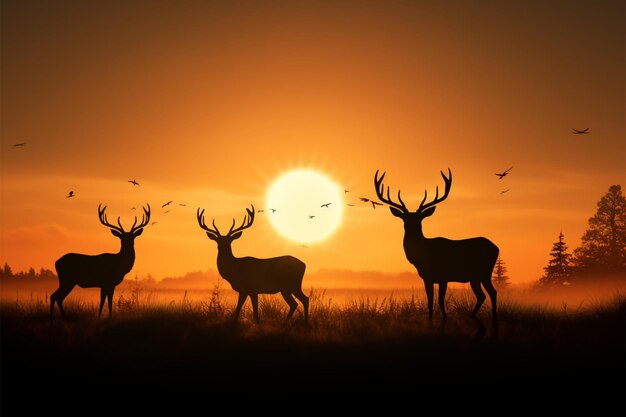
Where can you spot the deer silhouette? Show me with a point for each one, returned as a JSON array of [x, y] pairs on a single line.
[[253, 276], [104, 271], [440, 260]]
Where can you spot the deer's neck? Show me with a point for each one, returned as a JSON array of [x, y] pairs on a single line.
[[226, 262], [127, 255], [414, 234], [415, 246]]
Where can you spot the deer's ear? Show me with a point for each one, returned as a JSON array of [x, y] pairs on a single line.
[[396, 212], [428, 212], [138, 232], [116, 233], [211, 236], [236, 235]]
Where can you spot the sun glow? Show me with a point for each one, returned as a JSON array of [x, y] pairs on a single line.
[[304, 206]]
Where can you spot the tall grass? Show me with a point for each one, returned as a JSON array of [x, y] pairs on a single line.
[[357, 320]]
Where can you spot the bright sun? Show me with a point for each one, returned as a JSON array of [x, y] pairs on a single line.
[[297, 198]]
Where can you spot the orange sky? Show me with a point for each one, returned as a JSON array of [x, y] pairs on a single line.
[[206, 103]]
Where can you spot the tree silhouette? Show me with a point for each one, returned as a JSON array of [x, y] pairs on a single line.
[[603, 246], [558, 269], [7, 272], [500, 278]]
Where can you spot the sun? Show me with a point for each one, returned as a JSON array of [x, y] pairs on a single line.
[[304, 206]]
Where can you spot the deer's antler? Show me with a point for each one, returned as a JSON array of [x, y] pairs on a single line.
[[448, 183], [215, 231], [246, 223], [380, 188], [103, 219]]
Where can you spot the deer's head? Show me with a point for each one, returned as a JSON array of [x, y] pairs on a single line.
[[118, 231], [224, 241], [412, 219]]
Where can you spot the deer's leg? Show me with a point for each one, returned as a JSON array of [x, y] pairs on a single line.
[[480, 296], [103, 296], [240, 301], [443, 286], [254, 298], [493, 295], [110, 300], [60, 295], [53, 299], [305, 302], [292, 303], [429, 295]]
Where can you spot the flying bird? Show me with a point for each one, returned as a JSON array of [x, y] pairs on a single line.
[[260, 211], [311, 217], [167, 211], [167, 204], [581, 132], [15, 145], [346, 191], [70, 194], [303, 246], [327, 205], [133, 208], [135, 183], [350, 205], [374, 203], [183, 205], [273, 210], [504, 174], [505, 191], [153, 223]]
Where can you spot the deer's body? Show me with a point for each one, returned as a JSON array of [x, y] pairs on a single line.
[[432, 258], [270, 276], [251, 276], [95, 271], [105, 271], [440, 260]]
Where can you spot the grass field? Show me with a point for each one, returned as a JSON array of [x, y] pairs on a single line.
[[382, 348]]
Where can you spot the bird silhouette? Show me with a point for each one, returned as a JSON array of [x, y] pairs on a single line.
[[327, 205], [346, 191], [350, 205], [505, 191], [580, 132], [272, 210], [70, 194], [135, 183], [167, 211], [15, 145], [153, 223], [133, 208], [167, 204], [374, 203], [303, 246], [504, 174], [260, 211], [183, 205], [311, 217]]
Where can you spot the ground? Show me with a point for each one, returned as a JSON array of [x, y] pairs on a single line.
[[364, 352]]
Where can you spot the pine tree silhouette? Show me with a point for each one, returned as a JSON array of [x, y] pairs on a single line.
[[500, 278], [558, 270]]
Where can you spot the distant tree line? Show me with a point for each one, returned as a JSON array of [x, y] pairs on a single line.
[[7, 274], [602, 252]]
